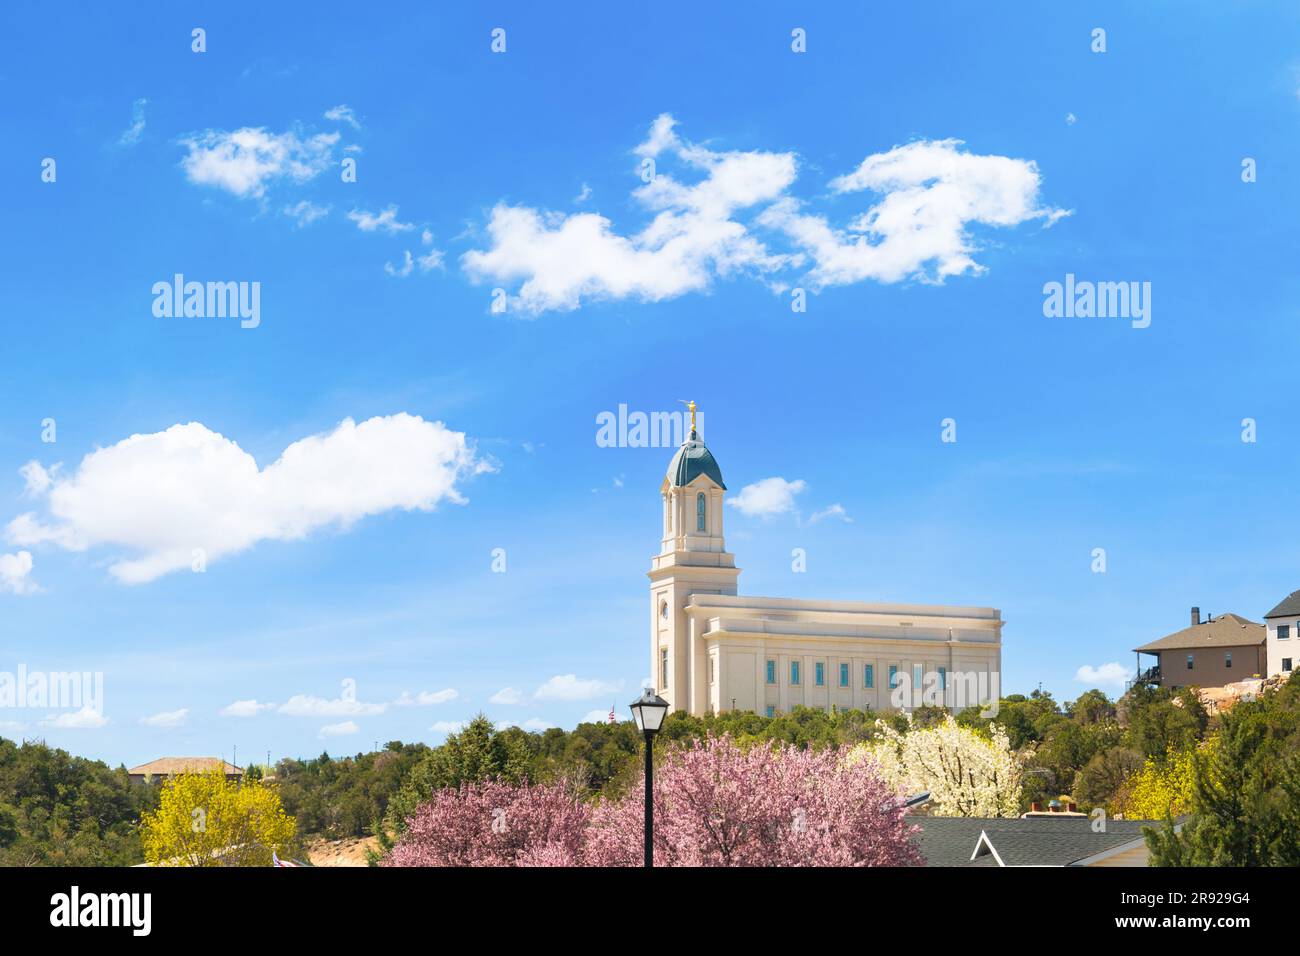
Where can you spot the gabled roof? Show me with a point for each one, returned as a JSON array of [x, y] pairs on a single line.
[[1226, 630], [1289, 607], [165, 766], [691, 461], [1035, 841]]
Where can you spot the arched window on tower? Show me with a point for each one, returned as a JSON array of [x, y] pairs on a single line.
[[699, 512]]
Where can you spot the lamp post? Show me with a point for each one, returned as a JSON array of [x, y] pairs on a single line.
[[648, 711]]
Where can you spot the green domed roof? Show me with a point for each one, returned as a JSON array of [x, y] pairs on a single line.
[[691, 461]]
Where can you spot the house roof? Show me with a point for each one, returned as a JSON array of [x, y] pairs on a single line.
[[1226, 630], [1033, 841], [1289, 607], [165, 766], [691, 461]]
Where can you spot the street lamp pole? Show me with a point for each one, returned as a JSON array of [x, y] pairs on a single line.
[[648, 711], [649, 799]]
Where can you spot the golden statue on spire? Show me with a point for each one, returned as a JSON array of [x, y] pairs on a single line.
[[691, 406]]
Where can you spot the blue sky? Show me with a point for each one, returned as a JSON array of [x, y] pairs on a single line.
[[1072, 433]]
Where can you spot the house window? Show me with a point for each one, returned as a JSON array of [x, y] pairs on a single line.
[[893, 675], [916, 676], [820, 670], [771, 672], [771, 711], [844, 675], [1283, 631], [868, 676], [663, 668], [943, 679], [794, 672], [699, 512], [1189, 661], [1227, 658], [1286, 663]]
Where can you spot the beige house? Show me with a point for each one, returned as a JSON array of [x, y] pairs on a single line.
[[163, 767], [712, 649], [1208, 653], [1283, 624]]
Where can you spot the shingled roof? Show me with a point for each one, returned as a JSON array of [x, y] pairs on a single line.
[[166, 766], [1289, 607], [1032, 841], [1226, 630]]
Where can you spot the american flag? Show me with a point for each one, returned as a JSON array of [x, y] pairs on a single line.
[[276, 861], [611, 714]]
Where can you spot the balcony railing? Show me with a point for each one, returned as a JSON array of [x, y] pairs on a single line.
[[1149, 676]]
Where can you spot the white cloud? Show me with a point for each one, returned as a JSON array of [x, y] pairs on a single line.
[[831, 511], [1070, 119], [245, 708], [596, 717], [693, 238], [427, 262], [583, 194], [508, 696], [132, 134], [533, 723], [164, 495], [385, 221], [85, 719], [570, 687], [36, 477], [426, 698], [305, 212], [16, 573], [931, 192], [404, 270], [245, 161], [306, 705], [343, 729], [169, 718], [1107, 675], [768, 497], [343, 114], [447, 726]]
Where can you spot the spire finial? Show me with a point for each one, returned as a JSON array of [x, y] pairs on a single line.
[[690, 405]]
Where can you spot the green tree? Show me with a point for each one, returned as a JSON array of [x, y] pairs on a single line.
[[1245, 795]]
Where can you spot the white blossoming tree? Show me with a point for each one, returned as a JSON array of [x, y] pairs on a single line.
[[966, 774]]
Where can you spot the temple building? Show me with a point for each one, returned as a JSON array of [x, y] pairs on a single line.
[[713, 650]]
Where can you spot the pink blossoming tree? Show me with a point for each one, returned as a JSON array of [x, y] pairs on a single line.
[[495, 823], [716, 804]]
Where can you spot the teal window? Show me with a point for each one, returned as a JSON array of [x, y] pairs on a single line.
[[771, 672], [916, 676], [844, 675], [1189, 661], [794, 672], [1283, 632], [699, 512], [868, 676], [943, 679], [771, 711], [893, 675], [820, 670], [1227, 658]]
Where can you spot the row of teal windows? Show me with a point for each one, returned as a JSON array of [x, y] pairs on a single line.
[[868, 675]]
